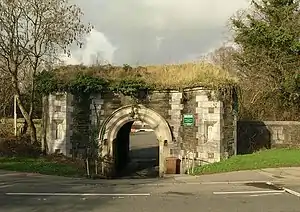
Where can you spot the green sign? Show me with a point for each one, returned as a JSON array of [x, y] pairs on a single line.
[[188, 120]]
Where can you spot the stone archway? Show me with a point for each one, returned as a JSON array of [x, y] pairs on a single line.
[[111, 126]]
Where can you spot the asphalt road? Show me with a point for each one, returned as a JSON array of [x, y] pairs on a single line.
[[144, 145], [19, 192]]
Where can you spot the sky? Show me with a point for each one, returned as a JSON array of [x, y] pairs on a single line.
[[142, 32]]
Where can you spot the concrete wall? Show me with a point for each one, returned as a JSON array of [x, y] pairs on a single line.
[[210, 139], [255, 135]]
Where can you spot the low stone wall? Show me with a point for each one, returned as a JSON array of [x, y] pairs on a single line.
[[7, 126], [256, 135]]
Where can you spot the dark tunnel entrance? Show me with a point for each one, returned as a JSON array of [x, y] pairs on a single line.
[[136, 152]]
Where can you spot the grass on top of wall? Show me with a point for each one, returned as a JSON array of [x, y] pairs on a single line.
[[174, 76]]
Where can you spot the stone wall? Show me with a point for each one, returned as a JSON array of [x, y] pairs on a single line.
[[255, 135], [211, 137], [57, 123]]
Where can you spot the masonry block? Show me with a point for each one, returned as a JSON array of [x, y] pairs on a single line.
[[98, 101], [201, 98], [176, 106]]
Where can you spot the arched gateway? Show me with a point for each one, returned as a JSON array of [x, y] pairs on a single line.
[[121, 120], [202, 129]]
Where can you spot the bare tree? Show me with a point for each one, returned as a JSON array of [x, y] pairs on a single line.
[[224, 57], [6, 94], [33, 33]]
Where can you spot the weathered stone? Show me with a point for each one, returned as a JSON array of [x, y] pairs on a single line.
[[201, 98]]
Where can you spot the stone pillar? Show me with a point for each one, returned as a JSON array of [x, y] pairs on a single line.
[[210, 125], [58, 129], [175, 114]]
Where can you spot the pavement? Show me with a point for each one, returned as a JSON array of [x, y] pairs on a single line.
[[245, 191]]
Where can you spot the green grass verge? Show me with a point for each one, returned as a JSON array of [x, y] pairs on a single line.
[[272, 158], [41, 166]]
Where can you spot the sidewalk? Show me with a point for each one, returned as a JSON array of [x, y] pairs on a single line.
[[275, 175], [285, 174]]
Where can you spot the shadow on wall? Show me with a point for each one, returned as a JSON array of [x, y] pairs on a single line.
[[252, 136]]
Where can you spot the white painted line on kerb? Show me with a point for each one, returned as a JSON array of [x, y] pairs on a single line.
[[290, 191], [5, 186], [248, 192], [260, 195], [73, 194], [233, 182], [295, 193]]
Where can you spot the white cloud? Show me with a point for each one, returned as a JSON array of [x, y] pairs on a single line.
[[190, 27], [96, 47], [170, 14], [177, 13]]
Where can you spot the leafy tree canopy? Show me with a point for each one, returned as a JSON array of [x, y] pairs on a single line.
[[269, 39]]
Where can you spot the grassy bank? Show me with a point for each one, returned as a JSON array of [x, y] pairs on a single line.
[[263, 159], [48, 166]]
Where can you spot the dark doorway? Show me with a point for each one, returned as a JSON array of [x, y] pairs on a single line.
[[136, 152], [121, 148]]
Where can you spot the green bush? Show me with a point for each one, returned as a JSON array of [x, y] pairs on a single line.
[[11, 146]]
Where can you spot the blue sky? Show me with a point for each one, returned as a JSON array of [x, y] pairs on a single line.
[[140, 32]]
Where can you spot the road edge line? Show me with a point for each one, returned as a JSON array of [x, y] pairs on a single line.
[[75, 194]]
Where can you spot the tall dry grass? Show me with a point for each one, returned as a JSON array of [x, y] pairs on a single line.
[[172, 76]]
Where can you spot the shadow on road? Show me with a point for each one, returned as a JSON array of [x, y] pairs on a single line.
[[143, 164]]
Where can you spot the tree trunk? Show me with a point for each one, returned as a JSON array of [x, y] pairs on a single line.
[[29, 121], [24, 128], [32, 128], [44, 125]]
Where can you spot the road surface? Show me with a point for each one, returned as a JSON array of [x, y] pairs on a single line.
[[19, 193], [144, 153], [144, 145]]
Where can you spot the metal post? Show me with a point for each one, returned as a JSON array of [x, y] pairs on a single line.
[[15, 114]]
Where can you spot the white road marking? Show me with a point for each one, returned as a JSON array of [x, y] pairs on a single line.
[[74, 194], [259, 195], [248, 192], [5, 186]]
